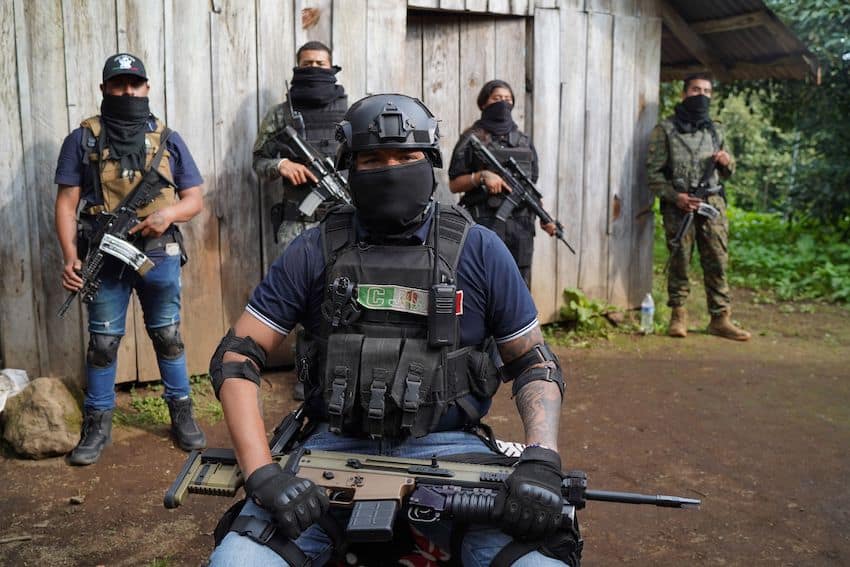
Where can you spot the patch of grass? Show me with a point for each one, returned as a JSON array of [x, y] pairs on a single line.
[[148, 407]]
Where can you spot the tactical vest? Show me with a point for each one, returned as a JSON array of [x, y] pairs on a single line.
[[377, 367], [320, 124], [517, 146], [689, 154], [111, 181]]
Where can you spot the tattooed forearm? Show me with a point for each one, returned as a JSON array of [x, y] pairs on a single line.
[[517, 347], [539, 406]]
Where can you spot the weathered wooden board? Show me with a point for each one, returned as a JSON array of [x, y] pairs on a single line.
[[423, 3], [140, 32], [648, 9], [621, 174], [647, 77], [349, 49], [499, 6], [189, 105], [546, 92], [600, 6], [476, 5], [235, 117], [39, 162], [452, 5], [275, 59], [510, 63], [624, 7], [571, 158], [440, 88], [19, 325], [522, 7], [385, 42], [593, 268], [477, 63], [313, 21], [412, 83]]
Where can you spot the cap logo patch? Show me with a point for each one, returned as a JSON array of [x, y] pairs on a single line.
[[125, 62]]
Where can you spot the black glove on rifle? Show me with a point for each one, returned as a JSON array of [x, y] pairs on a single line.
[[530, 503], [295, 503]]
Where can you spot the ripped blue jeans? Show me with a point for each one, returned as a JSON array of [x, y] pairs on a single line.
[[159, 294]]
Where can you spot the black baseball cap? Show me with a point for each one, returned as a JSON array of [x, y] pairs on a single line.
[[123, 64]]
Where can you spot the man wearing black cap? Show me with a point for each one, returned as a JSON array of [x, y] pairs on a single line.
[[99, 164]]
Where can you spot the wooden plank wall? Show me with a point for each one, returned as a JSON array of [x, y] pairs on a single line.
[[216, 68]]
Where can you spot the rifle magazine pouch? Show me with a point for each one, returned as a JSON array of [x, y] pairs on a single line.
[[341, 374], [418, 369], [377, 369]]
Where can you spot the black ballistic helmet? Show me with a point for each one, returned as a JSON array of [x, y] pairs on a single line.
[[388, 121]]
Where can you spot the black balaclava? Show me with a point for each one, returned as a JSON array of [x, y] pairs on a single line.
[[315, 86], [125, 121], [392, 201], [692, 114], [496, 118]]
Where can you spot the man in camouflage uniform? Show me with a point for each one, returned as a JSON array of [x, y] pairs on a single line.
[[681, 151], [321, 103]]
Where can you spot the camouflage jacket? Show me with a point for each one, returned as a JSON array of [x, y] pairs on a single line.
[[677, 161], [269, 149]]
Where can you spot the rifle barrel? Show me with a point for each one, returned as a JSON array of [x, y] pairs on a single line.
[[635, 498]]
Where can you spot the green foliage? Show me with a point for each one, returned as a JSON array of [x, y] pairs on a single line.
[[792, 262], [779, 260], [812, 119], [148, 407], [580, 318]]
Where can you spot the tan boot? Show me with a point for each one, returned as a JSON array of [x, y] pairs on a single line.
[[678, 323], [722, 326]]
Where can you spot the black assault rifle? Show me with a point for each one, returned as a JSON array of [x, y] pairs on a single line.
[[109, 235], [523, 191], [330, 184], [702, 190], [375, 487]]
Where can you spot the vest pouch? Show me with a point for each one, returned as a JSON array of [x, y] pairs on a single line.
[[482, 373], [378, 362], [342, 370], [419, 387]]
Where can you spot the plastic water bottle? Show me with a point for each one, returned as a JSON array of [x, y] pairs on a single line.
[[647, 314]]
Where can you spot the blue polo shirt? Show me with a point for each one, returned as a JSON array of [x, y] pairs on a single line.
[[71, 171], [496, 301]]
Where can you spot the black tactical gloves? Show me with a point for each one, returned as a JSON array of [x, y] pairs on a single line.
[[295, 503], [530, 504]]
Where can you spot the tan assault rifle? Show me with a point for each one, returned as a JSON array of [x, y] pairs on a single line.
[[376, 487]]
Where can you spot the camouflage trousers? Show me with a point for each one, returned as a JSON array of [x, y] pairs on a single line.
[[290, 229], [712, 241]]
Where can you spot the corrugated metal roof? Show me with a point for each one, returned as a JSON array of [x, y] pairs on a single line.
[[734, 39]]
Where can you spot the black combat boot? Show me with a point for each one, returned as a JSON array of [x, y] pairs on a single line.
[[183, 425], [96, 434]]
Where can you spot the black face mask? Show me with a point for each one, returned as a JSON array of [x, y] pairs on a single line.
[[315, 86], [692, 113], [125, 121], [391, 200], [496, 118]]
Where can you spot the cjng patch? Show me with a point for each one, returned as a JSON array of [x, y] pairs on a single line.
[[393, 298]]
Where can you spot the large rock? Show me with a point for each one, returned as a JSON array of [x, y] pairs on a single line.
[[43, 420]]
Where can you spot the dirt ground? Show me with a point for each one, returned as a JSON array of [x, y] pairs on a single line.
[[759, 431]]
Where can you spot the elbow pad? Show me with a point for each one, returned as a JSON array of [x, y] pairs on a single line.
[[220, 370], [522, 370]]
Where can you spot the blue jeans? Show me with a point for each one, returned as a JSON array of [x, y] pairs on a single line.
[[159, 294], [479, 547]]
